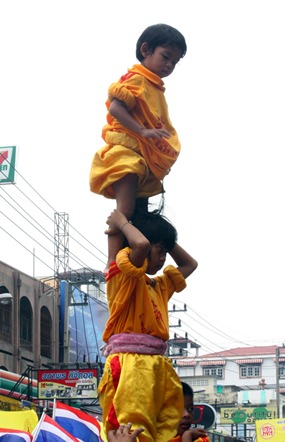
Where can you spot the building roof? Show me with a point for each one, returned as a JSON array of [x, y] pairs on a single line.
[[245, 352]]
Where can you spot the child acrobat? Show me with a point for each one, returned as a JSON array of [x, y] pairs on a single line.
[[184, 431], [141, 143], [139, 383]]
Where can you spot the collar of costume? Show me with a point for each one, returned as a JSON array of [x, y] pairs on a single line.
[[151, 76]]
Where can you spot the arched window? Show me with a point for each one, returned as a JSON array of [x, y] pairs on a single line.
[[26, 324], [46, 332], [2, 367], [6, 322]]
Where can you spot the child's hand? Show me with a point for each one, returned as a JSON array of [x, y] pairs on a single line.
[[124, 434], [193, 433], [116, 220], [154, 133]]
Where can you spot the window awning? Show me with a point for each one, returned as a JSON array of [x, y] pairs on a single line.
[[185, 363], [280, 359], [212, 363], [249, 361]]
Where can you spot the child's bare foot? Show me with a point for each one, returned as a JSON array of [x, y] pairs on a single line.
[[106, 270]]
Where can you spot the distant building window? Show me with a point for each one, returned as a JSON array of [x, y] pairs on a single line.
[[282, 370], [250, 371], [46, 332], [26, 324], [5, 321], [199, 382], [213, 371]]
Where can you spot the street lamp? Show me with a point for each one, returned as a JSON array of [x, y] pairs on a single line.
[[5, 296]]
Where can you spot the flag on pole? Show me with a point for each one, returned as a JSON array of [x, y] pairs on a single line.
[[8, 435], [25, 420], [50, 431], [77, 422]]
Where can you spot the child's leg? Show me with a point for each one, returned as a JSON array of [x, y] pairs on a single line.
[[125, 191]]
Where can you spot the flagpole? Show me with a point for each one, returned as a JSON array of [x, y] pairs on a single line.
[[37, 428], [54, 407]]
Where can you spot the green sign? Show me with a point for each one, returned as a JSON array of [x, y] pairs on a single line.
[[7, 164]]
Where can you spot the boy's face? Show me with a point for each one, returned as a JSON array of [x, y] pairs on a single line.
[[162, 60], [187, 415], [156, 258]]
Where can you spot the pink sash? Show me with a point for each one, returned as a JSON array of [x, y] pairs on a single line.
[[134, 343]]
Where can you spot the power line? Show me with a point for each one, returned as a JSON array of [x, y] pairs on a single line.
[[32, 223]]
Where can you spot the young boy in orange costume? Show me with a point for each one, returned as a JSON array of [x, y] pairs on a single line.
[[139, 384], [141, 142]]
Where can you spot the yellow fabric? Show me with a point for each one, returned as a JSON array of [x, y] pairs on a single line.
[[144, 390], [102, 433], [125, 152], [113, 162], [135, 305], [19, 420]]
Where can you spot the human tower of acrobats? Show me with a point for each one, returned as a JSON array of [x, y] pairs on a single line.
[[139, 386]]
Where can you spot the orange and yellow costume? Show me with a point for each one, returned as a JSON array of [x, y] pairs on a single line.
[[137, 387], [125, 152]]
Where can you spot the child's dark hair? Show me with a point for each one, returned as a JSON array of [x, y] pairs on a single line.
[[156, 228], [161, 35], [187, 389]]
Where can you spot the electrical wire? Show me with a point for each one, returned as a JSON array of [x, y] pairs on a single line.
[[34, 221], [38, 226], [202, 330]]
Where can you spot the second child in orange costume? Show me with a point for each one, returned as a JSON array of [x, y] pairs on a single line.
[[139, 384], [141, 143]]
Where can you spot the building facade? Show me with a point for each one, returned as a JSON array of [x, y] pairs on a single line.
[[29, 332], [241, 376]]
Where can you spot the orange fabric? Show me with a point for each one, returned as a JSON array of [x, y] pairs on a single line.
[[151, 159], [135, 303]]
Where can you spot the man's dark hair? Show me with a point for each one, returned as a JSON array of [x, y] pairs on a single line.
[[156, 228], [187, 389], [161, 35]]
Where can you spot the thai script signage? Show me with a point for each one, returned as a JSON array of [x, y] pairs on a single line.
[[68, 384], [273, 430]]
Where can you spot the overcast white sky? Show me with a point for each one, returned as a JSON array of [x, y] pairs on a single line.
[[226, 99]]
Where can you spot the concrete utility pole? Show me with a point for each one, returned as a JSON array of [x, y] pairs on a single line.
[[277, 382]]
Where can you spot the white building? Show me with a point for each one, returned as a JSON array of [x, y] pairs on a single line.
[[242, 384], [241, 376]]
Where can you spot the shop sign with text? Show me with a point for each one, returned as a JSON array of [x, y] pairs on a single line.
[[68, 384], [7, 164], [246, 415]]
